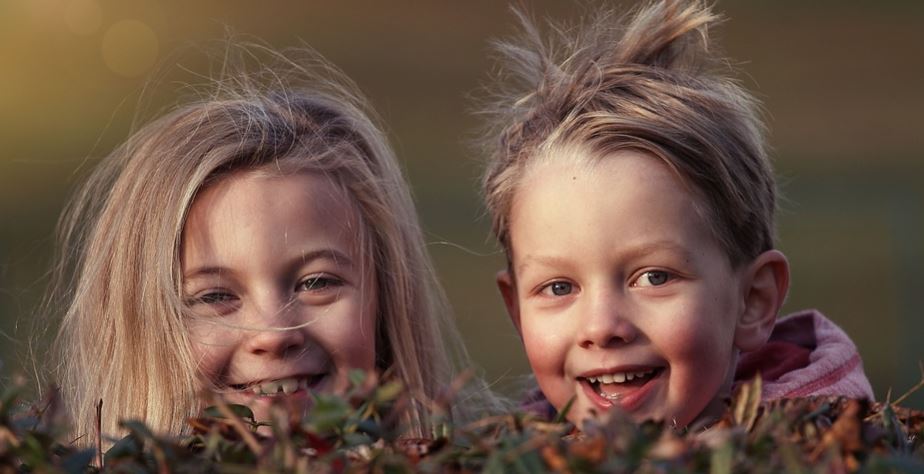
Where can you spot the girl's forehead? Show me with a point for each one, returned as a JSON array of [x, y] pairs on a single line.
[[271, 186], [247, 205]]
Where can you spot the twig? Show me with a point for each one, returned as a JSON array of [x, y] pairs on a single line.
[[917, 387], [487, 421], [99, 433]]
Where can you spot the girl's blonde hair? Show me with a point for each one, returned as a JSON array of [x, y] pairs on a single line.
[[123, 338], [646, 84]]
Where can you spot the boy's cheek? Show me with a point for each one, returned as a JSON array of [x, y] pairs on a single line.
[[546, 347], [547, 354]]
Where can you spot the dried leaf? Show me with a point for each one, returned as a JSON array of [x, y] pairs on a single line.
[[554, 459], [747, 403], [591, 448]]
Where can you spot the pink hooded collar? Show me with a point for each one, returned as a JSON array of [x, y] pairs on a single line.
[[807, 355]]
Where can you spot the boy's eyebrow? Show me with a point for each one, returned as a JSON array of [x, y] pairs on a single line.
[[630, 254], [658, 246], [331, 254], [545, 260]]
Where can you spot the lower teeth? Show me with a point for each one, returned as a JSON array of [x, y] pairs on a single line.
[[611, 396]]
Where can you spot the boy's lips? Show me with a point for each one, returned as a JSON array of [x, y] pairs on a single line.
[[627, 387]]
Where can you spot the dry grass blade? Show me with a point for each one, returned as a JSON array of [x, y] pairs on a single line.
[[912, 390]]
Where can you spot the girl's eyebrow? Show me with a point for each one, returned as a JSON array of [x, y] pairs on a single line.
[[205, 271], [332, 254]]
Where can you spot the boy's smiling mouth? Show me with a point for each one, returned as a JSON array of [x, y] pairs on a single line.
[[625, 388]]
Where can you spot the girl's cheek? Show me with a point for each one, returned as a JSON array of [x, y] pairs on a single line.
[[211, 348], [212, 332]]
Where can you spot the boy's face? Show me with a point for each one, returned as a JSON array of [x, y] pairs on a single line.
[[621, 294]]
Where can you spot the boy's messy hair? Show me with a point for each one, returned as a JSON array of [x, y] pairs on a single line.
[[123, 338], [647, 84]]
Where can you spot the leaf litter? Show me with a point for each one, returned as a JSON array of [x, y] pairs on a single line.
[[361, 431]]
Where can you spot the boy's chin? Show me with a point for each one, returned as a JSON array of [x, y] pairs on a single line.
[[710, 415], [587, 415]]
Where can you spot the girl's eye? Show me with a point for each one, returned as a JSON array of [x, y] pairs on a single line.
[[214, 298], [319, 283], [218, 302], [653, 278], [559, 288]]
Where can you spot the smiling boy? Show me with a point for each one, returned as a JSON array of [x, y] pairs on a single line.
[[631, 191]]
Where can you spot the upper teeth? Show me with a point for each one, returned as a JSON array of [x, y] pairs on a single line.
[[279, 386], [619, 377]]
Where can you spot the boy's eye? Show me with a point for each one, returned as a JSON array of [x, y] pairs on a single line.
[[652, 278], [559, 288], [318, 283]]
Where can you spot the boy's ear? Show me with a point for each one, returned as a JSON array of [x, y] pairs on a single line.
[[765, 286], [508, 289]]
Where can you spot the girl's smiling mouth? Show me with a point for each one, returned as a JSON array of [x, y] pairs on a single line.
[[279, 387], [626, 389]]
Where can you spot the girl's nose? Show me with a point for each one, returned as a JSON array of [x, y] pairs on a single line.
[[274, 335], [276, 342], [605, 322]]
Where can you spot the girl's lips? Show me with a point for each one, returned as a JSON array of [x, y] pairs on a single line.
[[297, 399], [628, 398], [274, 388]]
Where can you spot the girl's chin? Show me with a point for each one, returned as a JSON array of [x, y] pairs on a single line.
[[266, 407]]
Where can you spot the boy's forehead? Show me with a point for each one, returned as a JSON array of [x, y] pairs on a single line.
[[573, 168], [587, 164], [628, 202], [562, 157]]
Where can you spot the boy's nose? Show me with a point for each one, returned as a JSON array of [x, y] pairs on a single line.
[[274, 336], [605, 324]]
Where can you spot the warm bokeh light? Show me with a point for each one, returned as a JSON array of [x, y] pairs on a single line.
[[129, 48], [83, 17]]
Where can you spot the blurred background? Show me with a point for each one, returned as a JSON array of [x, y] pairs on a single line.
[[841, 81]]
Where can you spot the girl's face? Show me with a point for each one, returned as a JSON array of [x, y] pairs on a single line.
[[283, 299], [622, 295]]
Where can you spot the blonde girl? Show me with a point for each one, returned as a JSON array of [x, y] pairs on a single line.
[[260, 243]]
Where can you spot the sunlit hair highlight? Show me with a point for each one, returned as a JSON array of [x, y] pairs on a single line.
[[646, 82]]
